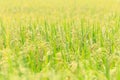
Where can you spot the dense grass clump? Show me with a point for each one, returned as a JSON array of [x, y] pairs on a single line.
[[59, 40]]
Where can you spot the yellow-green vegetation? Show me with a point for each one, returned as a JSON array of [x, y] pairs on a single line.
[[59, 40]]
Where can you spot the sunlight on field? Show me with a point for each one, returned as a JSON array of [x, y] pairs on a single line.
[[59, 40]]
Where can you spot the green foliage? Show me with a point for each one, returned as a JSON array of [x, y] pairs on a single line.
[[59, 40]]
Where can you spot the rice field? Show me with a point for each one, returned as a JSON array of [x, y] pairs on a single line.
[[59, 40]]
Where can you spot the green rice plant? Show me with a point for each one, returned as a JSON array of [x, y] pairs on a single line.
[[59, 40]]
